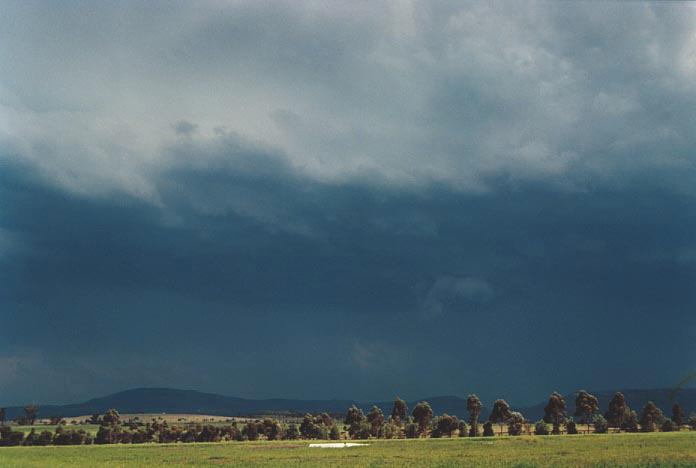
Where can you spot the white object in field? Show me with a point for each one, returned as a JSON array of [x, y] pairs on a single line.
[[337, 445]]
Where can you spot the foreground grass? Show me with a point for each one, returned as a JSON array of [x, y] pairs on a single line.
[[658, 449]]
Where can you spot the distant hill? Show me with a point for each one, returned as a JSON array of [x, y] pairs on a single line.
[[168, 400]]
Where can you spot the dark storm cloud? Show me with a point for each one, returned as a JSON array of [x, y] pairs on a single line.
[[301, 200]]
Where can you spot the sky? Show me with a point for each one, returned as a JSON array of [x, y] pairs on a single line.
[[346, 199]]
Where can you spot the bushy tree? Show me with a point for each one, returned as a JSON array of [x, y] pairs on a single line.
[[447, 424], [71, 437], [251, 430], [111, 418], [651, 417], [600, 424], [354, 420], [473, 405], [677, 414], [324, 419], [422, 414], [334, 433], [463, 429], [391, 429], [42, 439], [308, 428], [630, 424], [555, 412], [500, 413], [618, 411], [488, 429], [411, 431], [540, 428], [669, 426], [515, 423], [692, 421], [272, 429], [292, 433], [353, 415], [399, 411], [3, 412], [376, 419], [586, 405], [107, 435], [360, 431]]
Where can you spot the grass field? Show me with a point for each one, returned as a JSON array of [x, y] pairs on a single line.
[[656, 449]]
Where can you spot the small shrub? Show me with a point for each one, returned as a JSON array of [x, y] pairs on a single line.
[[411, 431], [600, 424], [692, 421], [571, 427], [541, 428], [322, 432], [669, 426], [515, 424], [334, 433], [463, 430], [630, 424], [488, 429], [10, 438]]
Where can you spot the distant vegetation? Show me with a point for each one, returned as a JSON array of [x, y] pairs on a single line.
[[420, 423]]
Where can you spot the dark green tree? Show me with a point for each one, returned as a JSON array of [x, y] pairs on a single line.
[[308, 428], [399, 411], [111, 418], [251, 430], [488, 429], [292, 433], [463, 430], [669, 426], [677, 414], [354, 415], [324, 419], [618, 411], [586, 405], [423, 414], [630, 423], [541, 428], [555, 412], [571, 428], [3, 412], [354, 420], [473, 405], [334, 433], [447, 424], [500, 413], [411, 431], [107, 435], [376, 419], [651, 417], [272, 429], [515, 424], [600, 424]]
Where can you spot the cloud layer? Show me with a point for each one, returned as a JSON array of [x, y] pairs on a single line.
[[384, 189]]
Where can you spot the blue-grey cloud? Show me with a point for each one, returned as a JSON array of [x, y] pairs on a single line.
[[417, 198]]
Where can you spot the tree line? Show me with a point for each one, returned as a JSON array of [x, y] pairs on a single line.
[[355, 424]]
